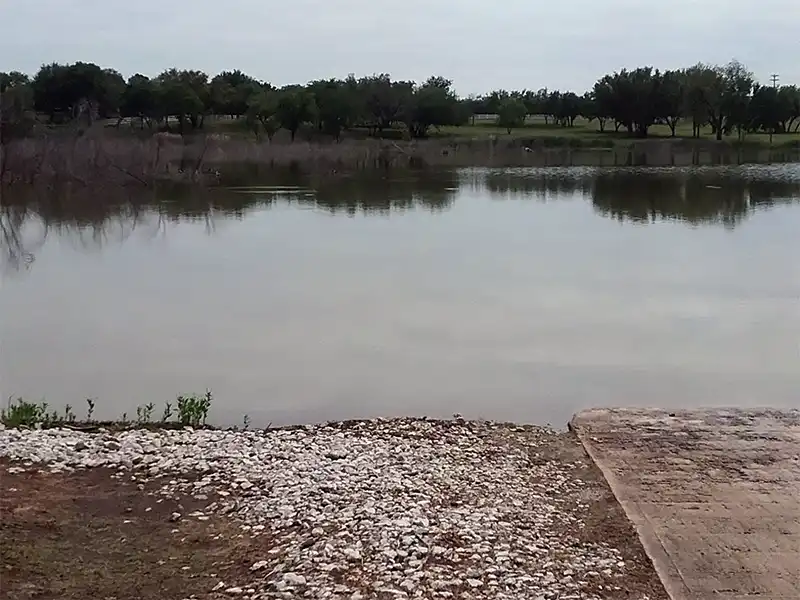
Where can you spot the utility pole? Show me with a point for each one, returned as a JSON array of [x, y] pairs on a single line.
[[774, 77]]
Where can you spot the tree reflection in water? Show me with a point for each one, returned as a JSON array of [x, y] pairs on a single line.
[[94, 217], [699, 196]]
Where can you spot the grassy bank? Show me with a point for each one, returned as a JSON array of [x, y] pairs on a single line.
[[122, 156], [586, 133]]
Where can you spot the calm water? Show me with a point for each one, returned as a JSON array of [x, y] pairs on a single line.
[[522, 294]]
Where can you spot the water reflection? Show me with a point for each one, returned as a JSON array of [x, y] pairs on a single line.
[[714, 195], [94, 217], [710, 195]]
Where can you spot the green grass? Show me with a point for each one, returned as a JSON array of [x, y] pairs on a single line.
[[583, 134], [535, 127]]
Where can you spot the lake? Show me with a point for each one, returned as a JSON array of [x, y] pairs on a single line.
[[521, 294]]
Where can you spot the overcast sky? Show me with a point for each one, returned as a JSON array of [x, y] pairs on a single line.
[[513, 44]]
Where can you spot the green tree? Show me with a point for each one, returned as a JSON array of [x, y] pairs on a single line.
[[697, 78], [765, 110], [605, 102], [384, 100], [110, 89], [789, 108], [295, 107], [230, 91], [433, 104], [262, 112], [511, 113], [724, 93], [536, 102], [336, 105], [739, 82], [495, 99], [17, 116], [669, 99], [53, 92], [567, 107], [13, 79], [185, 96], [140, 100], [631, 98]]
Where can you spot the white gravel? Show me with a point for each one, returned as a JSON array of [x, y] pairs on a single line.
[[376, 509]]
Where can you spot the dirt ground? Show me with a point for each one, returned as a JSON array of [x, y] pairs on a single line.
[[85, 535]]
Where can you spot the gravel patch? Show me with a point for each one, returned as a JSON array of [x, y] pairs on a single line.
[[403, 508]]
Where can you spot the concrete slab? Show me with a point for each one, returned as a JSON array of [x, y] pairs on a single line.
[[713, 494]]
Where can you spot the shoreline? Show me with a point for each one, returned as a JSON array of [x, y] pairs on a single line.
[[222, 160], [355, 509]]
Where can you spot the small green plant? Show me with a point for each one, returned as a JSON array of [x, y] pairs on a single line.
[[22, 413], [167, 415], [144, 414], [124, 420], [246, 422], [193, 410], [89, 409]]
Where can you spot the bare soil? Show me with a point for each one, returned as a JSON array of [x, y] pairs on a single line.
[[87, 535]]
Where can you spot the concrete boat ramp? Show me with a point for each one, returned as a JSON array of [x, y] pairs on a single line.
[[713, 494]]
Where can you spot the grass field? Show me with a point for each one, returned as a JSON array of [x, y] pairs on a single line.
[[535, 127], [583, 134]]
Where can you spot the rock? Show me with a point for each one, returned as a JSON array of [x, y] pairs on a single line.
[[294, 579], [234, 591], [218, 587], [352, 554], [80, 446], [336, 454], [176, 516], [261, 564]]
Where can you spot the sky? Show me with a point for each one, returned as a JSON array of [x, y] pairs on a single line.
[[481, 46]]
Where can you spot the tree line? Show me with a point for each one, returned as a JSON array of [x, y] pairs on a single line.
[[725, 98]]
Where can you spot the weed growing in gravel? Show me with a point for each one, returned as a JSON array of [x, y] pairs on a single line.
[[167, 415], [144, 414], [21, 413], [193, 410], [89, 409]]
